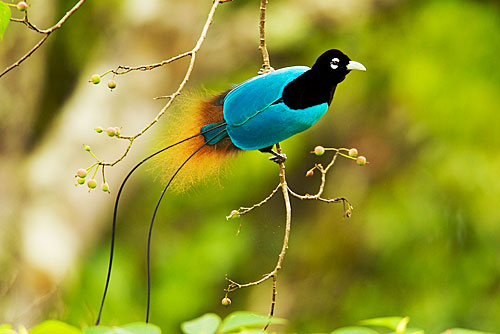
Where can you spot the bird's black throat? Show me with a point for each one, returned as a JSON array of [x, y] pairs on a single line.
[[310, 89]]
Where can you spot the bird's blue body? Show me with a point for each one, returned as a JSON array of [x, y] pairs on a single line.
[[256, 116]]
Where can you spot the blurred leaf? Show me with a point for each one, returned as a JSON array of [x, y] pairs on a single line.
[[239, 320], [412, 331], [132, 328], [22, 330], [388, 322], [206, 324], [401, 328], [354, 330], [251, 331], [54, 327], [463, 331], [4, 18], [7, 329]]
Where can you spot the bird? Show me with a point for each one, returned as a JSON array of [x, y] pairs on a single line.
[[270, 108], [254, 115]]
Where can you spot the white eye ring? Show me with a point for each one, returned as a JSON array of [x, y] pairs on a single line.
[[334, 64]]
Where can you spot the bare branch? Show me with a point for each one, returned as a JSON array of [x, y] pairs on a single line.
[[46, 32], [243, 210], [266, 66], [192, 53]]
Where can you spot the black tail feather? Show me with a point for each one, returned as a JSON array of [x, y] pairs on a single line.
[[115, 211], [156, 210]]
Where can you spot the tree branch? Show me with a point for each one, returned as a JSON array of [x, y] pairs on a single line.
[[266, 66], [46, 32], [191, 53]]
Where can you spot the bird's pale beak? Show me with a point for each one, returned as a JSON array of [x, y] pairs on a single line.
[[354, 65]]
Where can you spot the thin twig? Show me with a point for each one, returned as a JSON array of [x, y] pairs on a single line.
[[284, 187], [286, 196], [266, 66], [192, 53], [46, 32], [243, 210], [273, 303]]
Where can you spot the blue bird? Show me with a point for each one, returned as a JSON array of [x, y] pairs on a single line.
[[270, 108], [254, 115]]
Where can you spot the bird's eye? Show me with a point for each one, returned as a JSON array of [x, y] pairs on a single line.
[[335, 63]]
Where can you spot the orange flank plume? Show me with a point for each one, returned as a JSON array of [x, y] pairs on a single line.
[[192, 112]]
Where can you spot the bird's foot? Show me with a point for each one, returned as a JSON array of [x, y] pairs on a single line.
[[278, 158]]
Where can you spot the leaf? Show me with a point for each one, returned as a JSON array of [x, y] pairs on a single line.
[[5, 14], [354, 330], [240, 320], [251, 331], [206, 324], [463, 331], [132, 328], [387, 322], [54, 327], [7, 329], [411, 331]]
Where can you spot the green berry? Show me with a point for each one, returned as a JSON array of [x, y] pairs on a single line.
[[309, 173], [353, 152], [80, 180], [82, 173], [226, 301], [112, 84], [105, 187], [361, 160], [22, 6], [92, 184], [98, 129], [95, 79], [111, 131], [235, 214], [87, 148], [117, 131], [319, 150]]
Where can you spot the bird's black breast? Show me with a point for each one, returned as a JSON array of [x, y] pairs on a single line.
[[308, 90]]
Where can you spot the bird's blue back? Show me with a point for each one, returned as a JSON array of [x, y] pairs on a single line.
[[255, 116]]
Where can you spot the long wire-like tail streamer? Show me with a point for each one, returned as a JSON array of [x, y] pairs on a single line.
[[156, 209], [115, 211]]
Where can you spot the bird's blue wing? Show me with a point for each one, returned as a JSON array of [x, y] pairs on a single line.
[[258, 93]]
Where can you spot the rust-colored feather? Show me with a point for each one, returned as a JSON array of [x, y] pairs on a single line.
[[192, 113]]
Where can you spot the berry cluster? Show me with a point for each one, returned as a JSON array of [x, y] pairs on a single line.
[[82, 173], [111, 131], [344, 152], [96, 79]]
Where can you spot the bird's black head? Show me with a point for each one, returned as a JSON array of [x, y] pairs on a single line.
[[336, 65]]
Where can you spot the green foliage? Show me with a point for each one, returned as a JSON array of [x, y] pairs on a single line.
[[133, 328], [54, 327], [7, 329], [387, 322], [242, 320], [206, 324], [4, 18], [462, 331], [354, 330], [234, 323], [237, 322]]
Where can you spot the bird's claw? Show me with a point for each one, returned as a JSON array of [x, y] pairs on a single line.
[[279, 158]]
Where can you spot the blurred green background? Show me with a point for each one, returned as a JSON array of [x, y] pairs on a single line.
[[424, 237]]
